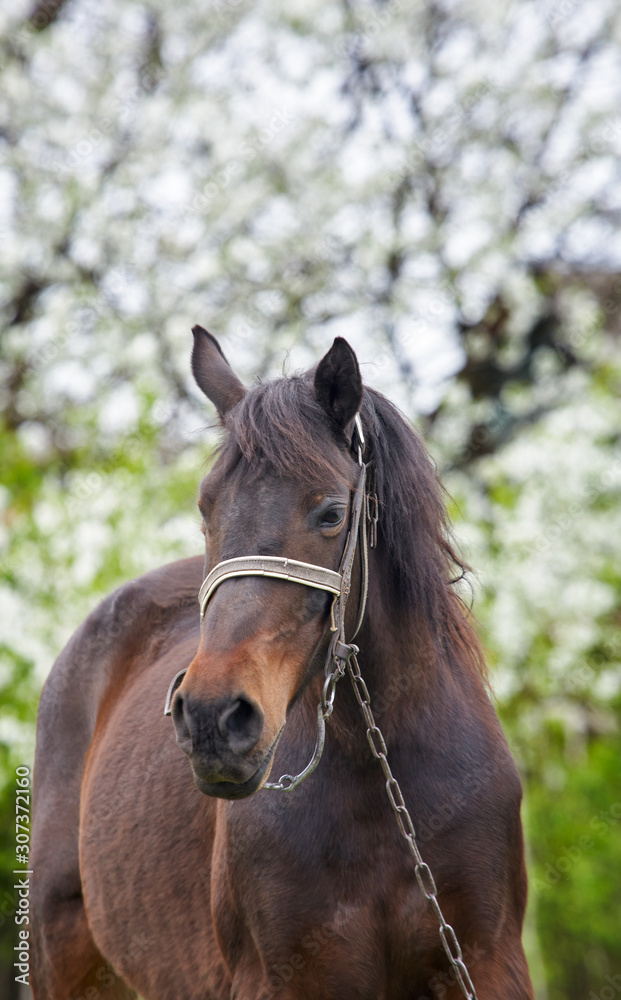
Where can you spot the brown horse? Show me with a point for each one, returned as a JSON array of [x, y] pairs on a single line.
[[183, 879]]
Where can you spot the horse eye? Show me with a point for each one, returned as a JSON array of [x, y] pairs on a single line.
[[332, 516]]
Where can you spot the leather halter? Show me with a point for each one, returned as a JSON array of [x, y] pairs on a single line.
[[274, 566], [320, 578]]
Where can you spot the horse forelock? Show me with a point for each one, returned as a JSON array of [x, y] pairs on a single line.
[[280, 427]]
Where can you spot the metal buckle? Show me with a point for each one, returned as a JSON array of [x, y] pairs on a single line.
[[360, 433], [372, 515]]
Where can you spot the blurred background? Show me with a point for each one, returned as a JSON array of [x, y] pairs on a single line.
[[439, 182]]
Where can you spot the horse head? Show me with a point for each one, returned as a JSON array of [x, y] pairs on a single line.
[[280, 487]]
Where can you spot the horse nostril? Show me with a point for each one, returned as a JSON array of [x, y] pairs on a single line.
[[240, 724], [177, 708], [182, 729]]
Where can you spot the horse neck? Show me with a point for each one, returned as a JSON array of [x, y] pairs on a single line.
[[404, 671]]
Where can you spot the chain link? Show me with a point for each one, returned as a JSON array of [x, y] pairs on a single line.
[[422, 870]]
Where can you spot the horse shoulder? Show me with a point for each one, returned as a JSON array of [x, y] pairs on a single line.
[[127, 627], [115, 641]]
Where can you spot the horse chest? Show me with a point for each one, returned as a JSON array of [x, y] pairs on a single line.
[[326, 912]]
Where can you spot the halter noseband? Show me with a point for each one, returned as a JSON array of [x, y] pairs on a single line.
[[320, 578], [274, 566]]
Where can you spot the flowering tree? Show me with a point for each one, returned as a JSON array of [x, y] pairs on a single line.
[[437, 183]]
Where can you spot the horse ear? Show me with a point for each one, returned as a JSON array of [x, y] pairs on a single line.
[[338, 385], [213, 374]]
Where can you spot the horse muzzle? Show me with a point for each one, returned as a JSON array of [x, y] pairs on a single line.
[[222, 740]]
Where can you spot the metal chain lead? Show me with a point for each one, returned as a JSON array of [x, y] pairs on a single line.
[[406, 828]]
